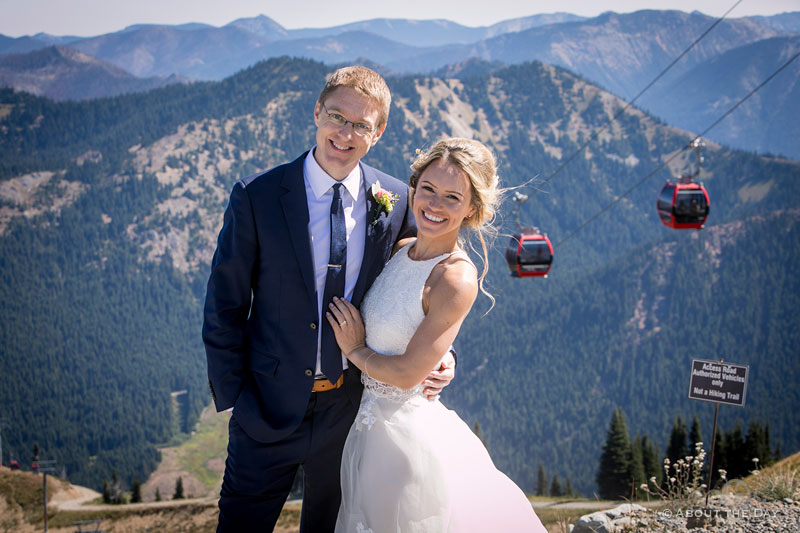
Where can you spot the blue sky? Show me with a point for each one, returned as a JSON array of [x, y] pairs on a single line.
[[95, 17]]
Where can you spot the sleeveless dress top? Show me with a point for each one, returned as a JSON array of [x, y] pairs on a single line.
[[394, 307], [410, 464]]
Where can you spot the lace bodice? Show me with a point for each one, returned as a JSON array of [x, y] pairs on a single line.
[[392, 312]]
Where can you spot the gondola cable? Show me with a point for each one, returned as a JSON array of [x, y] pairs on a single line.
[[679, 152], [520, 260], [629, 104]]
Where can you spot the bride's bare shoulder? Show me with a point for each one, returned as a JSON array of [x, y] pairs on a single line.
[[456, 273], [453, 283]]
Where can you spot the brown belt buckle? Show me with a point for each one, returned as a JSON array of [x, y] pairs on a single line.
[[321, 385]]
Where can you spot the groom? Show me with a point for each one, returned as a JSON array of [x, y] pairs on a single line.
[[292, 238]]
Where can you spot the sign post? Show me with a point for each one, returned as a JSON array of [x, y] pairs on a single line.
[[45, 467], [718, 382]]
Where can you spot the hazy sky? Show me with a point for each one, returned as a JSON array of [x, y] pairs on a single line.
[[95, 17]]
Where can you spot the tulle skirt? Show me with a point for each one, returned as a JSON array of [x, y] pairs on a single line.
[[414, 466]]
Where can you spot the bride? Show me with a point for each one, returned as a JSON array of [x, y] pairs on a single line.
[[410, 464]]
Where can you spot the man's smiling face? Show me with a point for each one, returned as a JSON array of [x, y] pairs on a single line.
[[340, 148]]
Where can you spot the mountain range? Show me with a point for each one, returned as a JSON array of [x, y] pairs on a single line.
[[63, 73], [109, 209], [615, 50], [694, 100], [620, 52]]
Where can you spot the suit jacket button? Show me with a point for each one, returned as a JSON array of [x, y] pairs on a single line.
[[309, 372], [313, 325]]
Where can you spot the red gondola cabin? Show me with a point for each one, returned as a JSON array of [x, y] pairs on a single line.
[[529, 254], [683, 205]]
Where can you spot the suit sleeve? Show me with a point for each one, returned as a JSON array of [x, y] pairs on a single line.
[[228, 299], [409, 227]]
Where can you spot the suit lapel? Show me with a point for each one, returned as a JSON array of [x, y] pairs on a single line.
[[374, 231], [295, 209]]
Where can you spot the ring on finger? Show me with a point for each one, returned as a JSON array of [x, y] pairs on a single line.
[[343, 323]]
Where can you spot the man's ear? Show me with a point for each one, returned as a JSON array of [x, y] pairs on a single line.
[[377, 135], [317, 110]]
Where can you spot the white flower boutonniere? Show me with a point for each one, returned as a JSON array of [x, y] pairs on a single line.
[[384, 199]]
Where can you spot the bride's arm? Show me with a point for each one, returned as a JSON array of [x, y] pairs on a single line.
[[449, 300]]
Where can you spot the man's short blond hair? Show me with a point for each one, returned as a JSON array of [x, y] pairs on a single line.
[[365, 81]]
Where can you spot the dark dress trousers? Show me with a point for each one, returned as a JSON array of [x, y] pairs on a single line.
[[260, 333]]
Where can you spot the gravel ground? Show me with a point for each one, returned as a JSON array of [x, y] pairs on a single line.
[[725, 513]]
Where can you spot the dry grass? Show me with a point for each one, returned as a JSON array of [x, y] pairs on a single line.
[[558, 520], [776, 482], [189, 518], [21, 512]]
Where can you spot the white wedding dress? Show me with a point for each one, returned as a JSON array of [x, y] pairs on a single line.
[[410, 464]]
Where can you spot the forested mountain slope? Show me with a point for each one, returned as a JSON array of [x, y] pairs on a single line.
[[110, 210], [543, 371]]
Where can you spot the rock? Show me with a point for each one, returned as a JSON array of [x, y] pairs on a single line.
[[593, 523], [615, 519], [701, 520], [622, 510], [624, 524]]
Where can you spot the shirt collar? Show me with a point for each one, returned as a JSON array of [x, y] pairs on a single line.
[[321, 182]]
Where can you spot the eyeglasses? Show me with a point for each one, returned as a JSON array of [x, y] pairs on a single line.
[[361, 129]]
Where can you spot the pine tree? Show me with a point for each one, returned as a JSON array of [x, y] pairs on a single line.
[[116, 488], [720, 458], [637, 474], [694, 435], [541, 482], [756, 445], [650, 461], [106, 492], [568, 490], [35, 458], [136, 490], [613, 474], [676, 449], [158, 494], [738, 465], [772, 455], [555, 487], [178, 490]]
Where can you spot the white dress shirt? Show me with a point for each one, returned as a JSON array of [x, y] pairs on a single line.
[[319, 194]]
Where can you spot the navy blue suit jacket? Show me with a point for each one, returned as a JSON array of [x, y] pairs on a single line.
[[260, 318]]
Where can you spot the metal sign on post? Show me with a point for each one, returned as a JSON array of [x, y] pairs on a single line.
[[715, 381], [718, 382]]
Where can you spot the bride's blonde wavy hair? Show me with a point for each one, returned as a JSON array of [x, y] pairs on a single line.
[[479, 165]]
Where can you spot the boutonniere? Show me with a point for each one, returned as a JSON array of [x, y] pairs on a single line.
[[385, 200]]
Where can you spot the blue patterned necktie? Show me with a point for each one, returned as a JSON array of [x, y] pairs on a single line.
[[334, 286]]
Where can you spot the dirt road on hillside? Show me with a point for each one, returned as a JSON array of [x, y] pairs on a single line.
[[77, 498]]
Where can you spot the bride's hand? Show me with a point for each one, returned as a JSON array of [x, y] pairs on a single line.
[[347, 325]]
